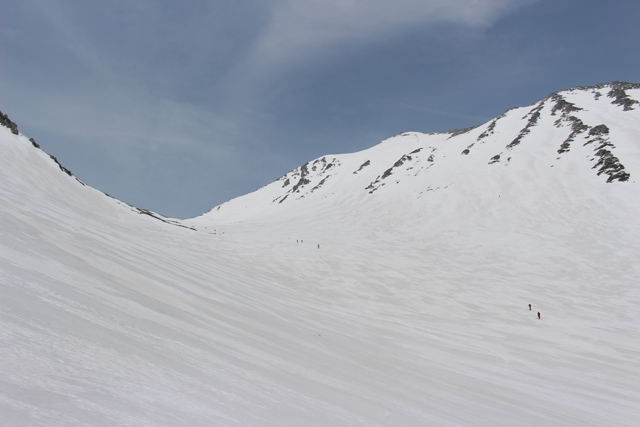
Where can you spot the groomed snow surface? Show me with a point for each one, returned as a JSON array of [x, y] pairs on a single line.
[[405, 306]]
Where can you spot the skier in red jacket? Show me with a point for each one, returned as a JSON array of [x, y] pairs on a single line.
[[529, 306], [538, 315]]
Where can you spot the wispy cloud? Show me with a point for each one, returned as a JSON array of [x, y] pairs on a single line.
[[74, 41], [300, 30]]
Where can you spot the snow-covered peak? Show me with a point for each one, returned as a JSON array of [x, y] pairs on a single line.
[[586, 131]]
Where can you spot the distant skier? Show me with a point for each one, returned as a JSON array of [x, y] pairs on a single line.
[[529, 306], [538, 315]]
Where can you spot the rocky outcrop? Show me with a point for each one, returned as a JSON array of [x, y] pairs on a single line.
[[6, 122]]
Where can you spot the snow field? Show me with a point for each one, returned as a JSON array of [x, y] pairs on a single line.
[[412, 311]]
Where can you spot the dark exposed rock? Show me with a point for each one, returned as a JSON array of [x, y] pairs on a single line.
[[34, 143], [492, 126], [577, 127], [607, 163], [300, 176], [373, 187], [489, 130], [533, 120], [163, 218], [610, 165], [398, 163], [622, 99], [618, 92], [564, 147], [467, 150], [599, 130], [362, 166], [6, 122], [617, 84], [562, 105], [321, 183], [62, 168], [456, 132], [304, 171], [495, 159], [302, 182], [387, 173], [402, 160]]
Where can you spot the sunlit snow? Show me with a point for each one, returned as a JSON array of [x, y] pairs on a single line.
[[354, 300]]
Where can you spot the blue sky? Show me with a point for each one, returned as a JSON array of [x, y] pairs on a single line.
[[179, 106]]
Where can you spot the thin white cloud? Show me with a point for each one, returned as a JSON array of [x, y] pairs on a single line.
[[132, 124], [298, 29], [74, 42], [111, 108]]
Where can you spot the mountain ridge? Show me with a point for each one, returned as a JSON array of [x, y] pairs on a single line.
[[572, 127], [306, 179], [13, 127]]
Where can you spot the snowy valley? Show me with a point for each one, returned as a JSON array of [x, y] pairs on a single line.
[[385, 287]]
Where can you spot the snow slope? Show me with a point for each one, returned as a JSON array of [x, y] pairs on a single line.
[[386, 287]]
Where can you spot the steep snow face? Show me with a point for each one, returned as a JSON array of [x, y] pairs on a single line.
[[385, 287]]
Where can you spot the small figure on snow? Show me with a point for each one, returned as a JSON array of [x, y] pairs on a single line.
[[538, 315], [529, 306]]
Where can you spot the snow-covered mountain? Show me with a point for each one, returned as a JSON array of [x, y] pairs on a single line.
[[572, 131], [385, 287]]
